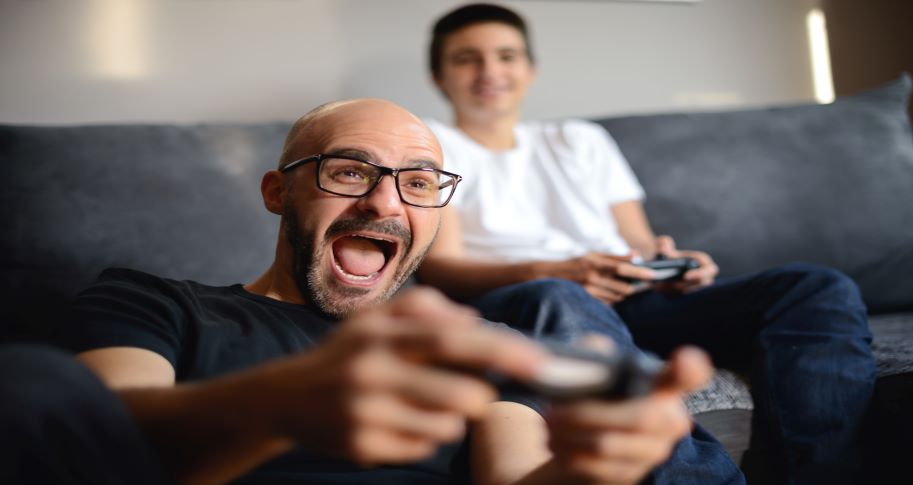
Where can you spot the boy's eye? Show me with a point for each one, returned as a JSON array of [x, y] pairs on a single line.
[[466, 59]]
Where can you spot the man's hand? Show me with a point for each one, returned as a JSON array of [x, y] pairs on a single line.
[[384, 388], [619, 442], [694, 279], [600, 275]]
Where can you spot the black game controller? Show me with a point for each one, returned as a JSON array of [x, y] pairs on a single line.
[[574, 372], [667, 269]]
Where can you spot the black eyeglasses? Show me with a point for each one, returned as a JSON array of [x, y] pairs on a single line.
[[353, 177]]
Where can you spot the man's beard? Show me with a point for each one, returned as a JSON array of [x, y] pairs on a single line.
[[306, 261]]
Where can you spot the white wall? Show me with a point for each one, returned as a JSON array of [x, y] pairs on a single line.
[[76, 61]]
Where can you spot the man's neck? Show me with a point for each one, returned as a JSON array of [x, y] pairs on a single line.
[[495, 134], [276, 285]]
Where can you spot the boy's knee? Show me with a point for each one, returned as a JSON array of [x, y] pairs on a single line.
[[829, 282], [829, 290]]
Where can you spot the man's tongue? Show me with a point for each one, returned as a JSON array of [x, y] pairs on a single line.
[[358, 256]]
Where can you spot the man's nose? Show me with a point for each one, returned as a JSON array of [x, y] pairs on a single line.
[[384, 200]]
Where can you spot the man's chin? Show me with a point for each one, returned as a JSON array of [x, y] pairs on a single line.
[[340, 298]]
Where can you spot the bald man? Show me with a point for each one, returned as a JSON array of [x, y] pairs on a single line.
[[316, 366]]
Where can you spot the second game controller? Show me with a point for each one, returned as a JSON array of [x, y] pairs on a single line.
[[668, 269]]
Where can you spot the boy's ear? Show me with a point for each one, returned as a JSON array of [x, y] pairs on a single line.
[[439, 83], [273, 188]]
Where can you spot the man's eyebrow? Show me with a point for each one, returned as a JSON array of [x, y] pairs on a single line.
[[363, 155], [423, 163], [352, 152]]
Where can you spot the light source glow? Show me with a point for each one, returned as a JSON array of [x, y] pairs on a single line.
[[115, 30], [820, 56]]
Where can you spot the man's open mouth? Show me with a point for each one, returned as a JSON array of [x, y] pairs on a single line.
[[361, 258]]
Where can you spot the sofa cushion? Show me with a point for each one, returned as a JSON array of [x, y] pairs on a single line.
[[178, 201], [828, 184], [893, 344]]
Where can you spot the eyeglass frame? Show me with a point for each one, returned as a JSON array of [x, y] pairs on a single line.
[[394, 172]]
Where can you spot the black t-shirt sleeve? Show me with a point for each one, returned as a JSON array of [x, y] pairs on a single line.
[[126, 308]]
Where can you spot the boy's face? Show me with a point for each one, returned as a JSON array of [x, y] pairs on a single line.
[[485, 71]]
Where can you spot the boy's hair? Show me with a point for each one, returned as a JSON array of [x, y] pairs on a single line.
[[466, 15]]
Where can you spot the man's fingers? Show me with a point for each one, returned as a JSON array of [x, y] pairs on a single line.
[[373, 446], [386, 410], [444, 390], [429, 306], [618, 445], [661, 415], [607, 471], [688, 369], [478, 348]]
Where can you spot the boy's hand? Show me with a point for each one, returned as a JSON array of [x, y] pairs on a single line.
[[692, 280]]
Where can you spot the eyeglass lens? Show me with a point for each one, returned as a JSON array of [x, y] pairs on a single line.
[[421, 187]]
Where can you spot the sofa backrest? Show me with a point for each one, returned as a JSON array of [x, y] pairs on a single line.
[[177, 201], [829, 184]]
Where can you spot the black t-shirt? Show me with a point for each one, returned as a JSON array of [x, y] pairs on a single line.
[[206, 331]]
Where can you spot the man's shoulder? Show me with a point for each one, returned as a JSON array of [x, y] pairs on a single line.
[[127, 281]]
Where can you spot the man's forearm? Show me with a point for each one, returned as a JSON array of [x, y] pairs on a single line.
[[210, 432]]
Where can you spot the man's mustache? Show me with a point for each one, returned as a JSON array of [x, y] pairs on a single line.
[[356, 224]]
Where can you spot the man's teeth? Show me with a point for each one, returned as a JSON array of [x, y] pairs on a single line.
[[353, 276]]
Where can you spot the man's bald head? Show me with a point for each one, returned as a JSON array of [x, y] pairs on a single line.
[[313, 132], [342, 251]]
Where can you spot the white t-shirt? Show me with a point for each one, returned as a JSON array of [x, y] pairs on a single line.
[[548, 198]]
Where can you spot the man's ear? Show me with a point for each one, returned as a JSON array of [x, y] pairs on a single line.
[[274, 190]]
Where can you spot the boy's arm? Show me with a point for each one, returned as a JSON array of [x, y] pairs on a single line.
[[447, 267], [634, 227]]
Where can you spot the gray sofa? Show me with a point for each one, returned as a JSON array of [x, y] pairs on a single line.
[[826, 184]]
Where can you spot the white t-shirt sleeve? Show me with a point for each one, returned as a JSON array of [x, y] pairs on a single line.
[[456, 158], [611, 168]]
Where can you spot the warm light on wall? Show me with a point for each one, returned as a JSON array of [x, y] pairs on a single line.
[[820, 56], [115, 28]]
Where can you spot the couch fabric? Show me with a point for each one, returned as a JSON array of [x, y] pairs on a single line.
[[829, 184]]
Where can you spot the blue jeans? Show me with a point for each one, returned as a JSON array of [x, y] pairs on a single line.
[[799, 330]]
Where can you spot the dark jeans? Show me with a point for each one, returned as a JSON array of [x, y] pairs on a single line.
[[60, 425], [799, 330]]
